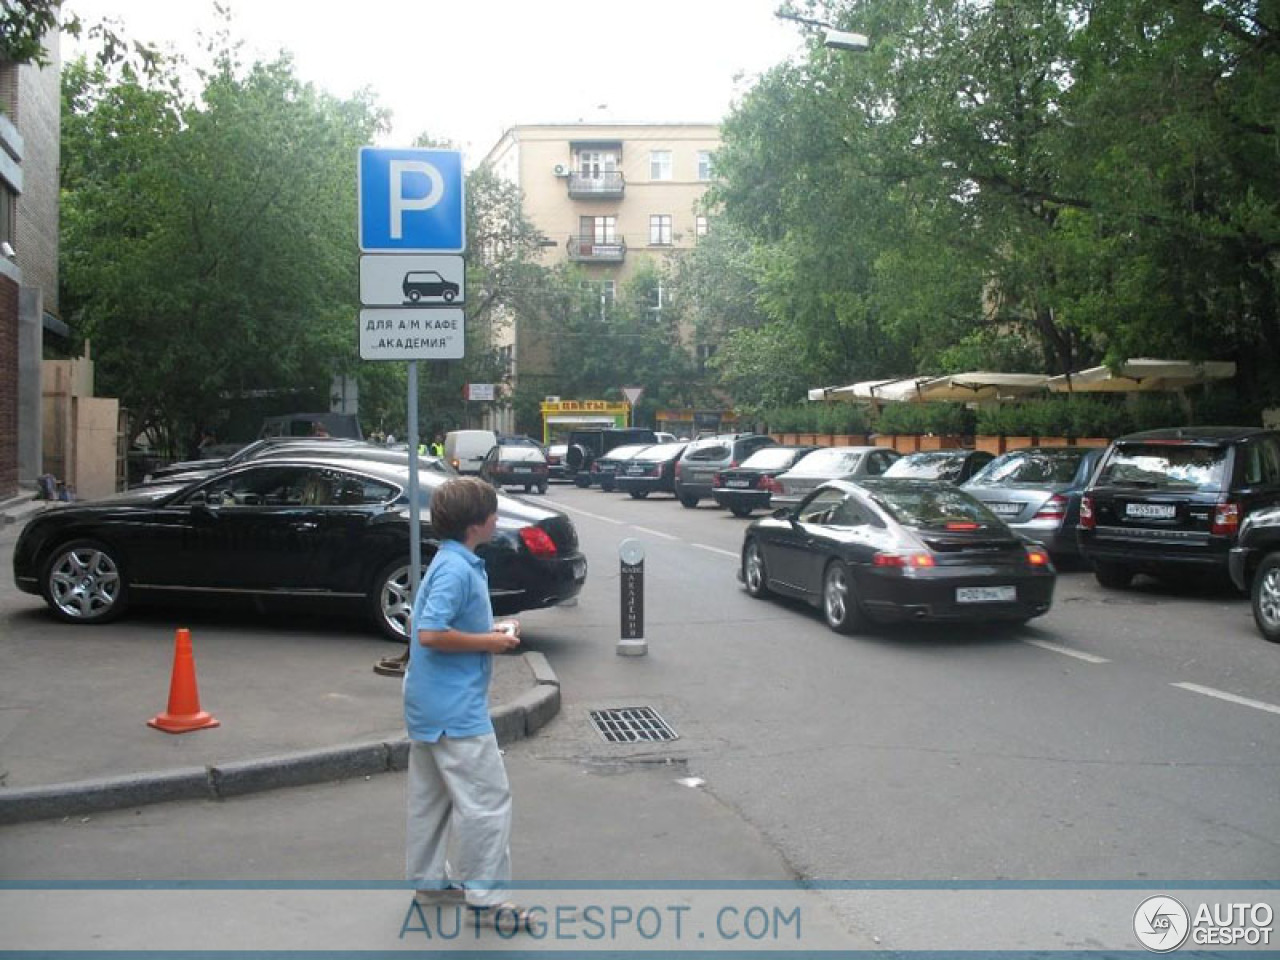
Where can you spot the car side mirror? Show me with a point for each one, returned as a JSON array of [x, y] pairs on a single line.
[[782, 513]]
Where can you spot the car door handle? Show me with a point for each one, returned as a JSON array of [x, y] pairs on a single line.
[[305, 525]]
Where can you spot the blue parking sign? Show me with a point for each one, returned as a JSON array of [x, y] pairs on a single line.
[[411, 201]]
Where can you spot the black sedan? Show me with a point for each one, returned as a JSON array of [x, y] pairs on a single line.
[[516, 466], [749, 486], [314, 528], [889, 550], [185, 471], [652, 470]]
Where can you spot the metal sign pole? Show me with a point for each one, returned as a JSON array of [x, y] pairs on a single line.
[[415, 514]]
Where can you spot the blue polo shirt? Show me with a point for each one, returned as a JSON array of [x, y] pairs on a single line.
[[447, 693]]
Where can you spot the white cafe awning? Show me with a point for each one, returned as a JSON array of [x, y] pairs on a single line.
[[1143, 374]]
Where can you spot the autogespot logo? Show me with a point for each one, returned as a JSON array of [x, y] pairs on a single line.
[[1161, 924]]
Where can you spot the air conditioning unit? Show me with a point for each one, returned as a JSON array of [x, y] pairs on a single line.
[[550, 399], [560, 170]]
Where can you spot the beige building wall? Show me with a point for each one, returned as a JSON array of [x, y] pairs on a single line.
[[542, 160]]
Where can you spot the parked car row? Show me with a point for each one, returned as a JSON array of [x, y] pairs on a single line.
[[1179, 504]]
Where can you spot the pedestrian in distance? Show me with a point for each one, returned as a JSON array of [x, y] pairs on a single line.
[[457, 784], [437, 446]]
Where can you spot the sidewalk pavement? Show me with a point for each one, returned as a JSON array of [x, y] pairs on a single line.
[[19, 507], [306, 707]]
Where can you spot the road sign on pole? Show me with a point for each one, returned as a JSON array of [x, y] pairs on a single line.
[[411, 201], [399, 334], [412, 281]]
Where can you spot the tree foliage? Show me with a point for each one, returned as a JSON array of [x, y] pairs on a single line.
[[207, 241], [1068, 179]]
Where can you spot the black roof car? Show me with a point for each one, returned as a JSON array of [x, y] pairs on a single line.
[[1170, 502], [248, 451], [883, 550], [587, 444], [311, 528], [651, 470], [304, 447]]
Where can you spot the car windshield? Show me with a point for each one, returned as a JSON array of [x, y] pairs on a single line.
[[770, 458], [624, 453], [660, 453], [926, 466], [1166, 467], [1031, 468], [934, 508], [829, 462], [520, 454]]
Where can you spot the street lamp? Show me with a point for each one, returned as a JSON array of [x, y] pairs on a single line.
[[832, 37]]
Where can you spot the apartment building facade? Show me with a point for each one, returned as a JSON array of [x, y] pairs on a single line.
[[30, 127], [609, 198]]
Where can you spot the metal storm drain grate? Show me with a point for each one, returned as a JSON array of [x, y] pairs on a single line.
[[631, 725]]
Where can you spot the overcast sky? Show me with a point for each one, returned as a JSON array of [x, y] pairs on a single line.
[[466, 70]]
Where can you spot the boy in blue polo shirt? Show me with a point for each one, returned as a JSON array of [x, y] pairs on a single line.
[[457, 781]]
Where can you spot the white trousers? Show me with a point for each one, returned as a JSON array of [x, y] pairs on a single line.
[[458, 791]]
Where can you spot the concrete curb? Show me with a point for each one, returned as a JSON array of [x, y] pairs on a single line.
[[526, 714]]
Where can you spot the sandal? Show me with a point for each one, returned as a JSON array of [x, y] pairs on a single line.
[[510, 917]]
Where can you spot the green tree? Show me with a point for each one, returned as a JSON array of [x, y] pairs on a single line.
[[207, 240]]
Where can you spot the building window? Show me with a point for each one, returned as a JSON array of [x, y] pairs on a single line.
[[700, 225], [657, 298], [660, 229], [660, 165], [705, 352], [597, 164], [704, 164], [608, 292], [598, 229], [6, 213]]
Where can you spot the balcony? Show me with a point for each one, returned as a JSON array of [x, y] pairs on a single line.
[[591, 250], [606, 185]]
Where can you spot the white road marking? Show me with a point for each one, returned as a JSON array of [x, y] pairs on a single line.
[[656, 533], [724, 553], [1067, 651], [1229, 697], [593, 516]]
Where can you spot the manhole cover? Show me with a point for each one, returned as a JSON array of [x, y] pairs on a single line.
[[631, 725]]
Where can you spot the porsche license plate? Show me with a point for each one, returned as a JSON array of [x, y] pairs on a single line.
[[986, 594]]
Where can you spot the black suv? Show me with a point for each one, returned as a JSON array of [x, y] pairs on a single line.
[[703, 459], [586, 445], [1255, 568], [1170, 502]]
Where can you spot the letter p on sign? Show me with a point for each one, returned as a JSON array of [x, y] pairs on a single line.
[[411, 201]]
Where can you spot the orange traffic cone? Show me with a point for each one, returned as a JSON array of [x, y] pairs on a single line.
[[184, 713]]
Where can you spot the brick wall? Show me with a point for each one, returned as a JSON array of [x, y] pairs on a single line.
[[8, 387]]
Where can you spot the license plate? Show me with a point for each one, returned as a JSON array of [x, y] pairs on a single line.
[[986, 594], [1151, 511], [635, 471], [524, 470], [737, 483], [1005, 509], [579, 569]]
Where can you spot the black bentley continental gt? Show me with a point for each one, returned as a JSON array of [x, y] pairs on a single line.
[[304, 528], [883, 550]]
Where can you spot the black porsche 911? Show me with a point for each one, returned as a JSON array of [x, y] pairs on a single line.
[[886, 550], [282, 528]]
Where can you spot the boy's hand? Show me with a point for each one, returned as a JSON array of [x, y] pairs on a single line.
[[504, 639]]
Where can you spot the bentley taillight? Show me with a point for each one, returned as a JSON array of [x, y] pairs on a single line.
[[537, 541]]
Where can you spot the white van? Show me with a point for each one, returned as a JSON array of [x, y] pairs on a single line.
[[465, 449]]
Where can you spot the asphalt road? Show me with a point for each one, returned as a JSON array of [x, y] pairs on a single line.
[[1099, 744]]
